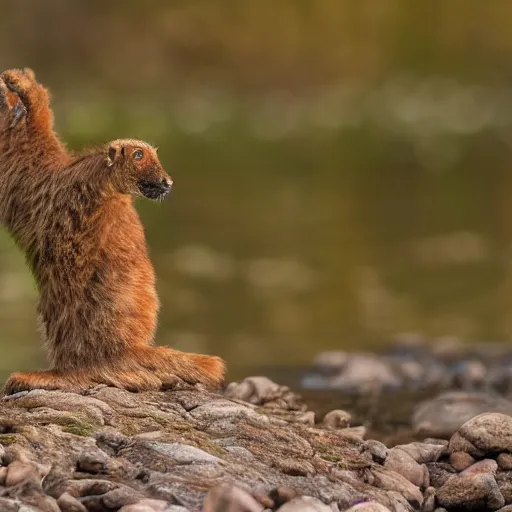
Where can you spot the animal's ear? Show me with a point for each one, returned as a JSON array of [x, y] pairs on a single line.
[[115, 153]]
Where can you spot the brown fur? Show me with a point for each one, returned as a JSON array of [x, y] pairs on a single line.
[[73, 217]]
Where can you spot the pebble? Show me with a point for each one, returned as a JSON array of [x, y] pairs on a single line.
[[68, 503], [504, 480], [228, 498], [336, 419], [461, 460], [378, 450], [281, 495], [504, 461], [368, 506]]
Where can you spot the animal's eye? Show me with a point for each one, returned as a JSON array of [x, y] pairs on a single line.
[[137, 155]]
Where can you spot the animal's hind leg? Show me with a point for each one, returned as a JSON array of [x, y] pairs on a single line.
[[167, 364], [34, 97], [25, 381]]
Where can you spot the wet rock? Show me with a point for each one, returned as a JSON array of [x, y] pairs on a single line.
[[336, 419], [485, 433], [446, 413], [471, 492], [504, 461], [461, 460], [227, 498], [401, 462], [305, 504]]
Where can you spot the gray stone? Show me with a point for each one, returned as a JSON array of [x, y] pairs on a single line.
[[68, 503], [336, 419], [504, 461], [366, 373], [429, 500], [184, 454], [461, 460], [424, 452], [485, 433], [401, 462], [446, 413], [228, 498], [392, 481], [471, 492], [486, 466], [305, 504], [368, 506], [504, 480], [378, 450]]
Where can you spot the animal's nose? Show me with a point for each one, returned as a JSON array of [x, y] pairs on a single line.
[[167, 183]]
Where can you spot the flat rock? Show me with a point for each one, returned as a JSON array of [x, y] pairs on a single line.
[[115, 450]]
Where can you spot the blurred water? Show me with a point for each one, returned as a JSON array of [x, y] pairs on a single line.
[[342, 169], [297, 226]]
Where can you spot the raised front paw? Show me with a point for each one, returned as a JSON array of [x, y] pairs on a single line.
[[19, 81], [34, 97], [12, 110]]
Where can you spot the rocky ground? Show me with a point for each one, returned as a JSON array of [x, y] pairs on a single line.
[[254, 447]]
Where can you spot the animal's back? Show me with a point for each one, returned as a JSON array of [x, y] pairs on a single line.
[[98, 295]]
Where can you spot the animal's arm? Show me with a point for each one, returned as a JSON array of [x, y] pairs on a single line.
[[33, 108]]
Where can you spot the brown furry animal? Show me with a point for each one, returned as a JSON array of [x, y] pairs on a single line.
[[72, 216]]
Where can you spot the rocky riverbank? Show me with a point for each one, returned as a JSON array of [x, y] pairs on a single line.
[[255, 447]]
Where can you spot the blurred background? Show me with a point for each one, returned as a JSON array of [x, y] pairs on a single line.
[[342, 169]]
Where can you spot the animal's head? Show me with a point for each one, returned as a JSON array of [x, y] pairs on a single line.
[[137, 169]]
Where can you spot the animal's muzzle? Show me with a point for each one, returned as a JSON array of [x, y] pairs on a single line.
[[155, 189]]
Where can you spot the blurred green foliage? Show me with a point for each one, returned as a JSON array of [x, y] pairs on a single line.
[[341, 168]]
